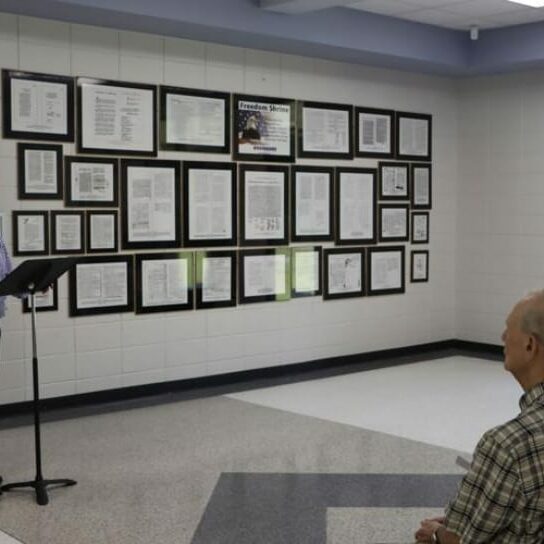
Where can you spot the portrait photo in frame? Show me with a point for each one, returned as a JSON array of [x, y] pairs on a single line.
[[39, 171]]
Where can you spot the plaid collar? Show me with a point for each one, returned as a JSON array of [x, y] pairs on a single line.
[[531, 396]]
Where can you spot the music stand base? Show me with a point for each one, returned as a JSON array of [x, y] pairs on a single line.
[[40, 486]]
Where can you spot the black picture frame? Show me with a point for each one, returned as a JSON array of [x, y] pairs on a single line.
[[200, 287], [34, 82], [70, 198], [23, 167], [404, 150], [296, 235], [372, 116], [373, 256], [302, 142], [401, 189], [250, 134], [18, 249], [421, 198], [246, 238], [344, 256], [402, 236], [148, 126], [89, 228], [145, 308], [77, 309], [56, 215], [296, 284], [40, 300], [415, 266], [127, 242], [167, 144], [190, 240], [418, 233]]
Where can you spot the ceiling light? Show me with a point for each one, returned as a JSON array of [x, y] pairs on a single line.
[[532, 3]]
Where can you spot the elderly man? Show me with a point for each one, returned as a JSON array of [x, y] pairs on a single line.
[[501, 498]]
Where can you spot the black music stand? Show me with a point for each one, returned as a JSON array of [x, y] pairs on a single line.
[[30, 277]]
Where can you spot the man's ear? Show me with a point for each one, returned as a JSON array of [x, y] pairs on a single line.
[[532, 343]]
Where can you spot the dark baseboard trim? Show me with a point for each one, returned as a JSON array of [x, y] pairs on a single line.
[[157, 393]]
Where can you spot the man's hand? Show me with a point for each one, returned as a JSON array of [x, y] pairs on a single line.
[[428, 527]]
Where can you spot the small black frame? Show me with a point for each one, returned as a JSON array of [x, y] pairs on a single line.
[[375, 252], [403, 150], [413, 277], [55, 215], [295, 251], [89, 231], [420, 201], [23, 192], [16, 217], [344, 253], [417, 237], [401, 189], [397, 237], [365, 150], [200, 256]]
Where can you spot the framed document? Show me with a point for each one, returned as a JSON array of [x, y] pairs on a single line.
[[374, 135], [215, 279], [393, 180], [39, 171], [101, 285], [30, 233], [44, 302], [151, 207], [209, 204], [91, 181], [263, 128], [194, 120], [306, 271], [164, 282], [419, 266], [311, 203], [324, 130], [67, 232], [116, 118], [264, 275], [393, 222], [263, 205], [38, 106], [421, 191], [356, 206], [102, 231], [414, 136], [344, 272], [420, 228], [385, 270]]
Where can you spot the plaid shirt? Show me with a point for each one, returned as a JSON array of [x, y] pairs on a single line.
[[501, 498], [5, 269]]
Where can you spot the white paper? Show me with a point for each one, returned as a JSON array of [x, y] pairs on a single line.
[[356, 206], [40, 171], [421, 228], [394, 181], [312, 203], [42, 300], [325, 130], [92, 181], [385, 270], [210, 204], [422, 186], [306, 270], [374, 133], [394, 222], [344, 273], [102, 235], [101, 284], [31, 232], [413, 136], [216, 279], [165, 282], [419, 266], [68, 232], [264, 275]]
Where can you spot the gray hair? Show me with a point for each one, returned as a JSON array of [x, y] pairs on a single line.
[[532, 319]]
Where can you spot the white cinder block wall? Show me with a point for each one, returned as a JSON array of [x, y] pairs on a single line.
[[95, 353]]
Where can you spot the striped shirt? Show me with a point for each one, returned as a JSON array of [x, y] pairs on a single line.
[[5, 269], [501, 498]]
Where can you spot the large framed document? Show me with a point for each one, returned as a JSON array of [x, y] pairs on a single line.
[[209, 204], [116, 117], [151, 204], [420, 228], [421, 190], [67, 232], [102, 231], [344, 272], [38, 106], [194, 120], [393, 222], [374, 133], [101, 285], [324, 130], [39, 171], [414, 136], [264, 275], [263, 128], [355, 206], [386, 270], [91, 181], [306, 271], [30, 233], [216, 275], [394, 181], [263, 205], [164, 282], [47, 301], [419, 266]]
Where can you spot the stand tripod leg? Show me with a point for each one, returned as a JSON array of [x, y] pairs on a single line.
[[40, 487]]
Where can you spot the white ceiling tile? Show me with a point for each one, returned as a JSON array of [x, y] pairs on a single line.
[[385, 7], [517, 18], [440, 17], [483, 8]]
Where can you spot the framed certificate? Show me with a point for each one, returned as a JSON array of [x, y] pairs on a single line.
[[209, 204], [306, 271], [164, 282], [116, 117], [394, 182], [386, 270], [420, 228], [38, 106], [393, 222], [30, 233], [101, 285], [91, 181], [264, 275], [39, 171], [215, 279], [374, 133], [419, 266], [414, 136], [194, 120], [344, 272], [324, 130], [44, 302], [263, 128], [67, 232], [356, 206], [421, 191], [263, 205], [102, 231], [151, 204]]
